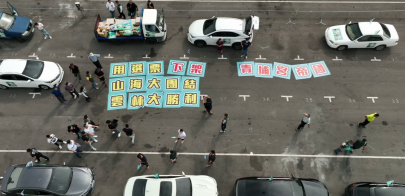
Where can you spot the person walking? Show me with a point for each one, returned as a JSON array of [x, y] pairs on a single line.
[[224, 120], [181, 136], [207, 104], [41, 28], [84, 93], [90, 79], [87, 120], [345, 146], [71, 89], [130, 133], [87, 139], [304, 121], [220, 44], [111, 7], [52, 139], [211, 158], [246, 44], [94, 59], [173, 156], [58, 95], [368, 119], [37, 155], [74, 147], [76, 71], [75, 130], [100, 75], [132, 9], [150, 5], [89, 130], [120, 10], [112, 125], [142, 160], [360, 143]]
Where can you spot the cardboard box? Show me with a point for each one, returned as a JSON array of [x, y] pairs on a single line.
[[101, 33]]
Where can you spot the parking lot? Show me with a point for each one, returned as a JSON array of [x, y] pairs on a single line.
[[260, 135]]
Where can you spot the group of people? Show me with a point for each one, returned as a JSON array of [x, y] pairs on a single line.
[[245, 46], [131, 7]]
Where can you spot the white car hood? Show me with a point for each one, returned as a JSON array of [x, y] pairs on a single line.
[[196, 28], [338, 33], [204, 186], [51, 70]]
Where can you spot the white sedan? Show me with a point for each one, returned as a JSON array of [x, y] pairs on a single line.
[[29, 74], [362, 35], [166, 185], [231, 30]]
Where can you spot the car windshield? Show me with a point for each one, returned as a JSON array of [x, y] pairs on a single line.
[[60, 180], [209, 26], [265, 187], [14, 177], [33, 69], [183, 187], [160, 21], [353, 31], [6, 21], [248, 25], [386, 32]]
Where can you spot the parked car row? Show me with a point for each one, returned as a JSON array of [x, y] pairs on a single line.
[[59, 180]]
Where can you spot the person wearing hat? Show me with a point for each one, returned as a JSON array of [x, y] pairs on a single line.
[[90, 79], [94, 59]]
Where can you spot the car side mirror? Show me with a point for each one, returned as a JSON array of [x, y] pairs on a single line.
[[28, 81]]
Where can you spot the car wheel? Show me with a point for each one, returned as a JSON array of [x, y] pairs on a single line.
[[19, 39], [3, 87], [151, 40], [236, 46], [341, 48], [200, 43], [45, 87], [381, 47]]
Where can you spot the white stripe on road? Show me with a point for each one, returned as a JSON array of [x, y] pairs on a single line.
[[219, 154], [279, 1]]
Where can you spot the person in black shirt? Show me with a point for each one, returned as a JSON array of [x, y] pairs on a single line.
[[173, 156], [207, 104], [100, 75], [130, 133], [76, 71], [211, 158], [75, 130], [34, 153], [132, 8], [112, 125], [142, 160], [360, 143], [150, 5]]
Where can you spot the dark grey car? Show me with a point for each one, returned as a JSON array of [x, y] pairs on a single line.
[[48, 180], [255, 186]]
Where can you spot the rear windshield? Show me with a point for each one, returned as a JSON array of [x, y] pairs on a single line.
[[391, 191], [183, 187], [251, 187], [14, 177], [386, 31], [209, 26], [60, 180], [353, 31], [34, 69], [139, 187], [248, 25]]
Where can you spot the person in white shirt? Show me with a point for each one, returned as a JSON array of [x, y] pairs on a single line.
[[120, 10], [52, 139], [304, 121], [89, 130], [74, 147], [180, 136], [41, 28], [110, 5]]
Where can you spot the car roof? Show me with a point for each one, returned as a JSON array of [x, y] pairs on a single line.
[[225, 23], [370, 28], [12, 65], [35, 177]]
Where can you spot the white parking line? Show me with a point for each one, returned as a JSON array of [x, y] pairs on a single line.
[[219, 154]]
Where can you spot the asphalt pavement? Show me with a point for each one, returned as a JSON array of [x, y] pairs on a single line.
[[261, 123]]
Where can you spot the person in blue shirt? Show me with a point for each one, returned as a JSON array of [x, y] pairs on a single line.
[[246, 44], [56, 93]]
